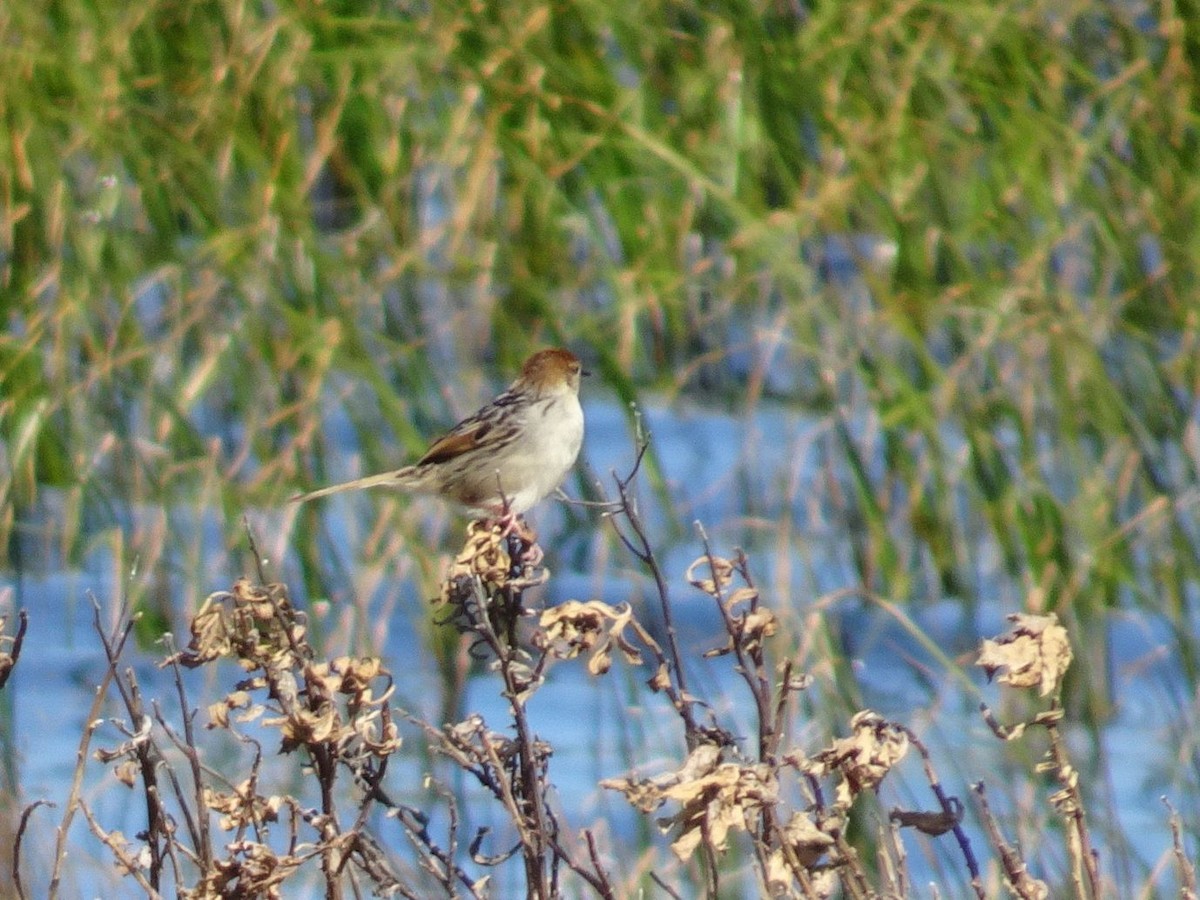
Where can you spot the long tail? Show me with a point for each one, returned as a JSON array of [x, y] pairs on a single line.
[[387, 479]]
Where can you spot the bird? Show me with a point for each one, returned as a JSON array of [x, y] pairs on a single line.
[[509, 455]]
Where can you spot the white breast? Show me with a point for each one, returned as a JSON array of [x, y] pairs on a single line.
[[548, 447]]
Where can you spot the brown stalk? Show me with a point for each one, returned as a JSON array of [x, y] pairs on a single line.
[[638, 544], [117, 643]]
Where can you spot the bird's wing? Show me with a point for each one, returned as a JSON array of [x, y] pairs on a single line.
[[459, 441], [465, 437], [492, 428]]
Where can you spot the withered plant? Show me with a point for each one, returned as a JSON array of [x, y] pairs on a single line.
[[772, 810]]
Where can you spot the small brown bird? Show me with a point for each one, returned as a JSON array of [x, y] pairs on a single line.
[[507, 456]]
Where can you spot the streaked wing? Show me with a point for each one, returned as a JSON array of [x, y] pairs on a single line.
[[467, 436], [456, 443]]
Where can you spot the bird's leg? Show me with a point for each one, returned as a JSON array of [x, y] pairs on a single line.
[[521, 538], [508, 520], [518, 534]]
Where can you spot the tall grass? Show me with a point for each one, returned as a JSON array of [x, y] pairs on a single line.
[[963, 233]]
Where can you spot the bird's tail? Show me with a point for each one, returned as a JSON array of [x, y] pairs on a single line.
[[396, 478]]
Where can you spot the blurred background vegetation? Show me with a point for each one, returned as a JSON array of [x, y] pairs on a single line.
[[221, 220]]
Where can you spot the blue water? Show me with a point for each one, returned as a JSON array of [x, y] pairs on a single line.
[[741, 476]]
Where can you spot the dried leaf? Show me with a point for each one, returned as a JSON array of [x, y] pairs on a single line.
[[932, 823], [1036, 653], [720, 571], [210, 633], [305, 726], [571, 628], [660, 680], [525, 680], [357, 674], [575, 627], [218, 715], [756, 626], [376, 741], [601, 660], [718, 802], [250, 715], [484, 556], [864, 758], [808, 841], [807, 844], [714, 797], [644, 796], [127, 772]]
